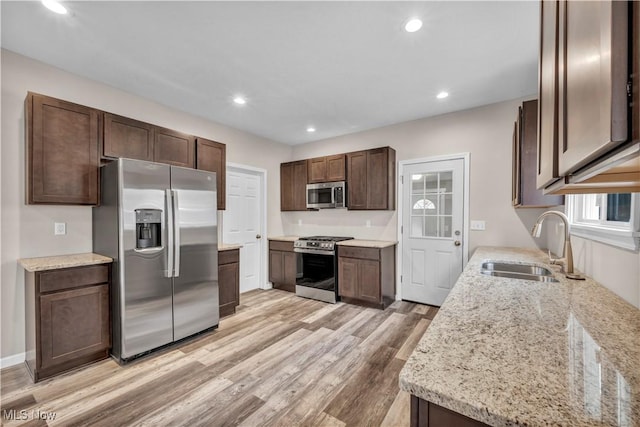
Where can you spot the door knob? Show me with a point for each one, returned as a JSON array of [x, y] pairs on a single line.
[[258, 236], [457, 243]]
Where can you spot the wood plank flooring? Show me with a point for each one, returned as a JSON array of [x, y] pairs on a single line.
[[281, 360]]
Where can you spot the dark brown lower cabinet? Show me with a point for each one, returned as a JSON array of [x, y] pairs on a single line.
[[367, 276], [67, 318], [229, 281], [282, 265], [427, 414]]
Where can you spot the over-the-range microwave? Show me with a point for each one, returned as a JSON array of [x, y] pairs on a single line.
[[327, 195]]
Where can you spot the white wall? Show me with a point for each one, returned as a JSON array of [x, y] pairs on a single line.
[[484, 132], [27, 230], [618, 269]]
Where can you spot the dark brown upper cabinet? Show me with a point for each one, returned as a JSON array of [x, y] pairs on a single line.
[[212, 156], [547, 160], [133, 139], [62, 152], [525, 145], [589, 140], [125, 137], [357, 180], [371, 179], [594, 52], [173, 148], [65, 142], [326, 169], [293, 186]]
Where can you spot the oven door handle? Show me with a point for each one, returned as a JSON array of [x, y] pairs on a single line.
[[312, 251]]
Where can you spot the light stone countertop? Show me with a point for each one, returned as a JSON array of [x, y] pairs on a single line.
[[511, 352], [285, 238], [62, 261], [379, 244], [228, 246]]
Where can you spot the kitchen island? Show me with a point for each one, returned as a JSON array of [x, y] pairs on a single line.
[[510, 352]]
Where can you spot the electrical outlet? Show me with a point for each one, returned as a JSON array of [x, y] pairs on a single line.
[[478, 225], [59, 228], [299, 222], [368, 223]]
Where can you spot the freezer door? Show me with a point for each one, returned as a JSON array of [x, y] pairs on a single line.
[[195, 282], [145, 282]]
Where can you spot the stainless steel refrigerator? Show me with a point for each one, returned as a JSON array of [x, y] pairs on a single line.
[[159, 224]]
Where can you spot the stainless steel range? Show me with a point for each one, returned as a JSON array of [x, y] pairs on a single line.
[[318, 280]]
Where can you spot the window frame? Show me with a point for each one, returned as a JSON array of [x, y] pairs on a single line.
[[625, 235]]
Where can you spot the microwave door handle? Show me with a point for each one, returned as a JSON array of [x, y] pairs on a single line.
[[334, 196]]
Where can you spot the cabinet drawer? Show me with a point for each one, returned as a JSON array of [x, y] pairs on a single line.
[[68, 278], [277, 245], [228, 257], [358, 252]]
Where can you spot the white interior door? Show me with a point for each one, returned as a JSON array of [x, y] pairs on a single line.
[[432, 229], [243, 222]]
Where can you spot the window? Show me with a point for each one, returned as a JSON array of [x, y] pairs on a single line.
[[432, 198], [609, 218]]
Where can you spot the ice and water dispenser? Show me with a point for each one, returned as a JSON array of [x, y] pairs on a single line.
[[148, 228]]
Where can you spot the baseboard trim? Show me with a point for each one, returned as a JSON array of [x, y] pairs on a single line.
[[13, 360]]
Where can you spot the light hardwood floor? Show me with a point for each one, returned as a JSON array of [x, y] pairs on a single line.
[[281, 360]]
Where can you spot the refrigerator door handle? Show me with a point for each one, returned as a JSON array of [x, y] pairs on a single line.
[[176, 227], [169, 228]]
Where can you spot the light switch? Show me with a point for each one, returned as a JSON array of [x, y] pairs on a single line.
[[478, 225], [59, 228], [367, 223]]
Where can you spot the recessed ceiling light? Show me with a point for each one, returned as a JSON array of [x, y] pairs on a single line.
[[239, 100], [442, 95], [311, 129], [54, 6], [413, 25]]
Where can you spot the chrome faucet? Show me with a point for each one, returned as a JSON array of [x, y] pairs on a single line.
[[567, 254]]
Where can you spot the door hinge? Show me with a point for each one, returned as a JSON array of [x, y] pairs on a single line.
[[401, 179], [629, 88], [401, 229], [401, 278]]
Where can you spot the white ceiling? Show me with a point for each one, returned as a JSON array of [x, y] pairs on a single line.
[[341, 67]]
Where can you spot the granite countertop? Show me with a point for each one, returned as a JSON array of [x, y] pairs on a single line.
[[228, 246], [511, 352], [285, 238], [379, 244], [62, 261]]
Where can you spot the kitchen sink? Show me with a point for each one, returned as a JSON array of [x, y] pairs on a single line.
[[517, 271]]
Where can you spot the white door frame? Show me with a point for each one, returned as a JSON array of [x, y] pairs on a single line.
[[262, 280], [465, 208]]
